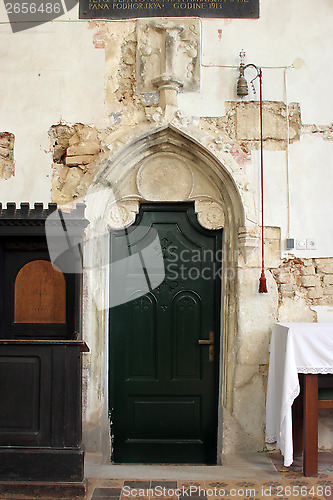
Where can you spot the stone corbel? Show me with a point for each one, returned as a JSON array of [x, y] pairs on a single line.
[[248, 242], [122, 214], [210, 214]]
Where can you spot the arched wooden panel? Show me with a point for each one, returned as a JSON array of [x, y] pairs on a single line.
[[40, 294], [186, 334], [141, 338]]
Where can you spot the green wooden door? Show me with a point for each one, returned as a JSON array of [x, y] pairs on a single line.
[[163, 383]]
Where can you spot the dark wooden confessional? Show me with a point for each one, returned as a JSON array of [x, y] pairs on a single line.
[[40, 348]]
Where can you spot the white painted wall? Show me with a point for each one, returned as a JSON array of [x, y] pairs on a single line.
[[310, 164]]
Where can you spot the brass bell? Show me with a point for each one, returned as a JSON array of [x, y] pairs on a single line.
[[242, 88]]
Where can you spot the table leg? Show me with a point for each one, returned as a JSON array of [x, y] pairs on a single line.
[[310, 412], [297, 415]]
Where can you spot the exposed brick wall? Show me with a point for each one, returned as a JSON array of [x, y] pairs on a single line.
[[310, 278], [75, 147], [241, 123], [7, 166]]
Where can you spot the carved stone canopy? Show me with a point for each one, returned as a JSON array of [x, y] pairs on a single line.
[[164, 177]]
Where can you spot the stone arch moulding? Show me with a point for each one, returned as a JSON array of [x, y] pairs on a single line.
[[160, 164]]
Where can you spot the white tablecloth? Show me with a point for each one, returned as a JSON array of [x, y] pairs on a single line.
[[295, 348]]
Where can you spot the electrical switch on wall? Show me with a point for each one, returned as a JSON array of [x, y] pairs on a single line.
[[311, 244], [300, 244], [307, 244]]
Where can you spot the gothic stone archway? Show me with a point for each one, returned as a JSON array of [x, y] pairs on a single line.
[[162, 165]]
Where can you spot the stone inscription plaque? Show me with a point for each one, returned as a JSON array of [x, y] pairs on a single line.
[[125, 9]]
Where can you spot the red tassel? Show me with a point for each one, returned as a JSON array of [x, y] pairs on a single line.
[[262, 283]]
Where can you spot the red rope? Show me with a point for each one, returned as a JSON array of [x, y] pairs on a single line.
[[262, 279]]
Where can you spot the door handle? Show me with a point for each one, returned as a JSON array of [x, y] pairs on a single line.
[[209, 342]]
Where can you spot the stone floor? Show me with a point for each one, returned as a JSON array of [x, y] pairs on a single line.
[[241, 477]]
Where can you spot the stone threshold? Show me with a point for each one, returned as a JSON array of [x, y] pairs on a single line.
[[238, 466]]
